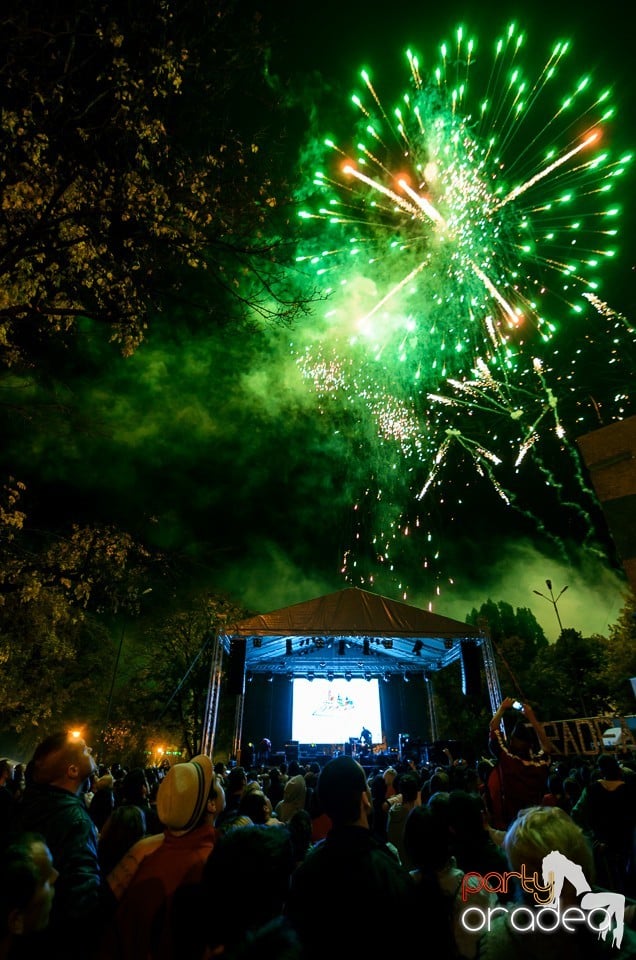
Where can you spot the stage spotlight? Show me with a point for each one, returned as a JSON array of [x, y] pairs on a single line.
[[249, 676], [347, 676], [330, 677], [270, 677], [367, 676], [417, 647], [406, 679], [365, 647], [289, 649], [386, 677], [448, 644], [310, 677]]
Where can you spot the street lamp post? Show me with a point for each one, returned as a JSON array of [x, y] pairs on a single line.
[[553, 600]]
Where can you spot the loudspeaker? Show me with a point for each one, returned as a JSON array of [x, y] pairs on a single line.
[[236, 667], [471, 668]]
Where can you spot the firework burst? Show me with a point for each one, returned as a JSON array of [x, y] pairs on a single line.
[[460, 238]]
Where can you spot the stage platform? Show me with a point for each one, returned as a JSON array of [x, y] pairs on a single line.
[[321, 753]]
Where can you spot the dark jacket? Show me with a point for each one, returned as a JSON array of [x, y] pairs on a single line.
[[82, 902], [349, 881]]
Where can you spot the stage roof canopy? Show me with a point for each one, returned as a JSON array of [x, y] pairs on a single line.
[[349, 633]]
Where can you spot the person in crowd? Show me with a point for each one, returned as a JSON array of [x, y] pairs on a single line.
[[555, 797], [538, 834], [235, 784], [606, 810], [53, 806], [154, 776], [257, 862], [390, 775], [293, 798], [299, 826], [519, 777], [438, 782], [243, 887], [103, 802], [484, 769], [471, 845], [188, 802], [380, 809], [264, 780], [311, 780], [18, 781], [398, 812], [572, 790], [124, 827], [220, 773], [136, 790], [293, 769], [234, 822], [255, 805], [275, 787], [349, 867], [27, 888], [438, 880], [118, 773], [88, 790], [320, 822], [472, 783]]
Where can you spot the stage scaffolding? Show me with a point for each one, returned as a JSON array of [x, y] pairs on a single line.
[[490, 667], [208, 734], [214, 691]]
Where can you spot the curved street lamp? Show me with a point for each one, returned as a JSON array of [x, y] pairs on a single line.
[[553, 600]]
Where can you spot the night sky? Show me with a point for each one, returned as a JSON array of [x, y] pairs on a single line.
[[213, 445], [487, 549]]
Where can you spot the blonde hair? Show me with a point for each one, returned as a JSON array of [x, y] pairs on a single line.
[[538, 831]]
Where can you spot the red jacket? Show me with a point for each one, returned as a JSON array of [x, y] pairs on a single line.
[[142, 918], [515, 782]]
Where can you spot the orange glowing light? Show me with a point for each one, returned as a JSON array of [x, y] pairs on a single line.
[[592, 136]]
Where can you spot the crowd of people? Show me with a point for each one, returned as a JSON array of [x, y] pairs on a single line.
[[297, 862]]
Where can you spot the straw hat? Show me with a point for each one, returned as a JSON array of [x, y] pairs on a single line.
[[183, 794]]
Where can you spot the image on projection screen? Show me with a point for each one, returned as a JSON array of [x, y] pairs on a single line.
[[332, 711]]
